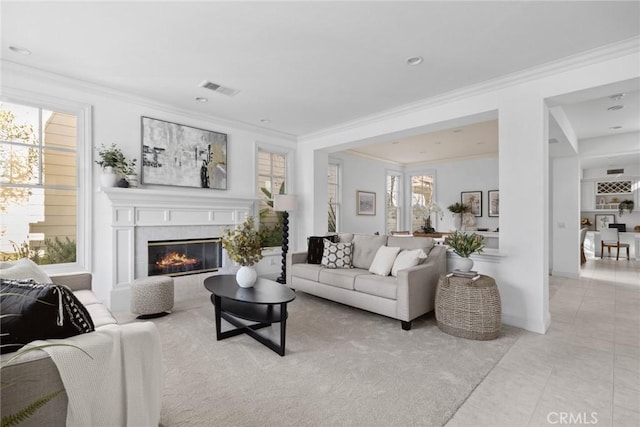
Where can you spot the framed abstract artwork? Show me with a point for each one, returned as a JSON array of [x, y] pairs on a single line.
[[183, 156], [472, 199], [365, 203], [494, 202]]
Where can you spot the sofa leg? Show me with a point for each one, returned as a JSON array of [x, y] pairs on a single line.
[[406, 325]]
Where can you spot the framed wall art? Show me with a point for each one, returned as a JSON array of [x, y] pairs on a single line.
[[472, 199], [184, 156], [365, 203], [494, 202], [603, 221]]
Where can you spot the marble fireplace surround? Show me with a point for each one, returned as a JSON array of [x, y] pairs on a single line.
[[140, 215]]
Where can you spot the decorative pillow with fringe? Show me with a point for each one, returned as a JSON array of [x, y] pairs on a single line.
[[39, 311]]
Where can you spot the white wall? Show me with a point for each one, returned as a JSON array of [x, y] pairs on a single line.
[[362, 174], [565, 221], [365, 174], [116, 119], [456, 177]]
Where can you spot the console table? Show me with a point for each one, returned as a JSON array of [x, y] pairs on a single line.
[[264, 303]]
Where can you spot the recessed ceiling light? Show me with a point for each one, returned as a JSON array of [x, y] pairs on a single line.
[[617, 96], [415, 60], [615, 127], [19, 50], [616, 107], [265, 121], [201, 99]]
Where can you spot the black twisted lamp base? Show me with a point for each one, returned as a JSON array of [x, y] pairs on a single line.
[[285, 247]]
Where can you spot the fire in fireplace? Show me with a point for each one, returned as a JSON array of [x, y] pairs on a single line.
[[182, 257]]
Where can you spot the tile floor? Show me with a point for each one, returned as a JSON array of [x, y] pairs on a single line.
[[584, 371]]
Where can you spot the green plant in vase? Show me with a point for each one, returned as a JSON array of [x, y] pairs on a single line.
[[625, 206], [243, 247], [464, 245]]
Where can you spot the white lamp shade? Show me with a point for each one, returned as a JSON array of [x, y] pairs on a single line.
[[284, 202]]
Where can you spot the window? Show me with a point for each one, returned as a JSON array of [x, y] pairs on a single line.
[[39, 190], [272, 177], [421, 198], [333, 197], [392, 202]]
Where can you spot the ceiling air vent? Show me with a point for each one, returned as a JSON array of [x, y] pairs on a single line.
[[615, 171], [217, 88]]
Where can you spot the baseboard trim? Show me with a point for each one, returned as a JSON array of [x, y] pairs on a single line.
[[523, 323]]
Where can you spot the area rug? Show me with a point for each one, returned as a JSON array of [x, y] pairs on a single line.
[[343, 366]]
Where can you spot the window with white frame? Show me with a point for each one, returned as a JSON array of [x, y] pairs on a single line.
[[272, 178], [333, 197], [422, 187], [40, 190], [392, 202]]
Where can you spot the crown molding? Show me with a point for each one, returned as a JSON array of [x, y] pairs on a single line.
[[425, 163], [583, 59], [371, 157], [98, 89]]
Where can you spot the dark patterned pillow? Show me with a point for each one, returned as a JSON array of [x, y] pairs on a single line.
[[316, 248], [337, 255], [38, 311]]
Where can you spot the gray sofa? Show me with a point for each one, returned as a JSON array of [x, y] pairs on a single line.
[[34, 375], [405, 297]]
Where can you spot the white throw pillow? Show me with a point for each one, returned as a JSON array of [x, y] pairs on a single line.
[[406, 259], [383, 261], [23, 269]]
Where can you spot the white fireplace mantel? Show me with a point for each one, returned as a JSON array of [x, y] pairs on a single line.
[[145, 207], [138, 213]]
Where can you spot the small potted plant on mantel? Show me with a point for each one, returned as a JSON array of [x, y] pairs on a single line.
[[114, 163], [464, 245], [243, 247]]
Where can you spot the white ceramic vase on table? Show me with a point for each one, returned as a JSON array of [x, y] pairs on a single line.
[[246, 276]]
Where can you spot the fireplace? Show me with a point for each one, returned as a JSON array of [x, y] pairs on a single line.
[[182, 257]]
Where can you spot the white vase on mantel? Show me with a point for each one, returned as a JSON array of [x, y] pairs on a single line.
[[246, 276], [108, 177]]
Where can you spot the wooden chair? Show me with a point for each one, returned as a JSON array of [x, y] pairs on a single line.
[[609, 238], [583, 234]]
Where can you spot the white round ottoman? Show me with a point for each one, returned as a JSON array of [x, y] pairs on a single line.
[[152, 296]]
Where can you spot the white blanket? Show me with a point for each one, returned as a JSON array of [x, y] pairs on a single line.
[[121, 384]]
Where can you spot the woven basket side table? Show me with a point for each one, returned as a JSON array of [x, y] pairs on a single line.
[[469, 309]]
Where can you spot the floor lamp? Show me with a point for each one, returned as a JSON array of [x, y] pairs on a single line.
[[284, 203]]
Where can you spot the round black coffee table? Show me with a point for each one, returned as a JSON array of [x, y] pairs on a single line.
[[265, 303]]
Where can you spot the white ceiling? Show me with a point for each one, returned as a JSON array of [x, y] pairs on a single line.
[[456, 143], [306, 66]]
